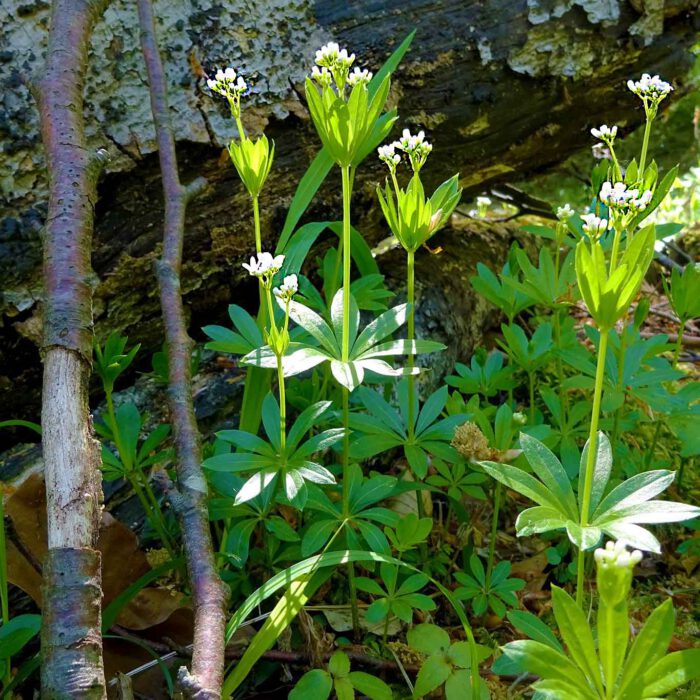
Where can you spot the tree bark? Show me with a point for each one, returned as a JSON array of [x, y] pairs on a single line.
[[208, 591], [71, 638]]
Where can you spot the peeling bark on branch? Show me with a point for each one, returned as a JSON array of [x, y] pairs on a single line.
[[208, 591], [71, 636]]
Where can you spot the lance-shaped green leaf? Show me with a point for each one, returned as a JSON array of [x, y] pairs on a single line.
[[383, 428], [618, 514], [269, 460], [366, 349]]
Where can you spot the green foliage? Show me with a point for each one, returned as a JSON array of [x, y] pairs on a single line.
[[485, 375], [617, 512], [253, 160], [112, 360], [319, 683], [424, 434], [611, 668], [608, 296], [366, 349], [412, 217], [495, 592], [504, 292], [446, 664], [684, 292], [272, 460], [394, 597]]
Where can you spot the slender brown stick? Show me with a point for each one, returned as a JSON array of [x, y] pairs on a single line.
[[208, 591], [71, 638]]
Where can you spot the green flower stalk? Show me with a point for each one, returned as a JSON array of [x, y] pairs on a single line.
[[607, 293], [651, 90], [345, 118], [253, 161], [413, 219]]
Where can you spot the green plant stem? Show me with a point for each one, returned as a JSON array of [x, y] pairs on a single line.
[[617, 172], [4, 600], [347, 192], [531, 382], [494, 533], [346, 505], [679, 344], [347, 256], [256, 220], [590, 459], [652, 448], [615, 247], [645, 147], [283, 406], [257, 380], [411, 298]]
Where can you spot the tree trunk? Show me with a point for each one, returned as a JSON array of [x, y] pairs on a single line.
[[71, 637], [502, 88]]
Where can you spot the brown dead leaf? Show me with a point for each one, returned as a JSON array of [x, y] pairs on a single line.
[[122, 560], [531, 570], [150, 607]]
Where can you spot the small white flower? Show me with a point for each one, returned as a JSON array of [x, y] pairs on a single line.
[[327, 55], [287, 289], [483, 201], [594, 226], [323, 77], [359, 76], [641, 202], [387, 154], [565, 213], [344, 60], [265, 266], [616, 554], [605, 133], [617, 195], [227, 83], [415, 146], [651, 88]]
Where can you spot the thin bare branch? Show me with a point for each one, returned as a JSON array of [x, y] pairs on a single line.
[[208, 591]]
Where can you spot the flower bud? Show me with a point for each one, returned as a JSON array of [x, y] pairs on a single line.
[[252, 160]]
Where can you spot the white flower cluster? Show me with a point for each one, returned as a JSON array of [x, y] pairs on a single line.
[[564, 213], [332, 56], [287, 289], [388, 155], [605, 133], [323, 76], [617, 196], [616, 554], [226, 82], [265, 266], [650, 88], [229, 85], [359, 77], [594, 226], [413, 145]]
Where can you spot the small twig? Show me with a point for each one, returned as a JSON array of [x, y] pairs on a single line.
[[691, 341], [209, 594]]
